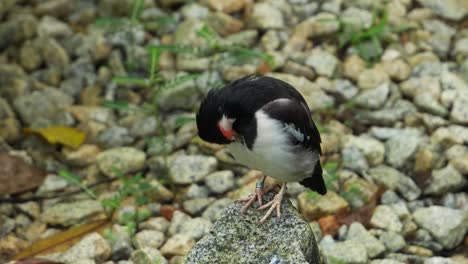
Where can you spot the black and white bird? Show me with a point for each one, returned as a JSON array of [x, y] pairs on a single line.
[[266, 125]]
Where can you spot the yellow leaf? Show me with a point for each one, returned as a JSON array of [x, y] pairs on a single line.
[[68, 136], [63, 240]]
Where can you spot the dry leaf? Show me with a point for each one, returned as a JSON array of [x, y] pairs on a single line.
[[63, 240], [17, 176], [329, 225], [68, 136], [37, 261]]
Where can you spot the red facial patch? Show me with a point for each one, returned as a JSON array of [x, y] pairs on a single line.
[[226, 133]]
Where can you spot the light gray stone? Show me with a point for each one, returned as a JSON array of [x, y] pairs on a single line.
[[266, 16], [358, 233], [393, 241], [60, 214], [148, 238], [323, 62], [451, 9], [445, 180], [385, 218], [186, 169], [93, 246], [123, 159], [220, 181], [349, 251], [447, 225]]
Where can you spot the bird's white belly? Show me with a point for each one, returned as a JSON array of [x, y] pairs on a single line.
[[272, 153]]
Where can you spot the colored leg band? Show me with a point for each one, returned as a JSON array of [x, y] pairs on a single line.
[[259, 184]]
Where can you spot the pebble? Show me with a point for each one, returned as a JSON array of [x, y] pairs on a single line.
[[178, 245], [393, 241], [92, 246], [372, 78], [266, 16], [349, 251], [215, 209], [372, 149], [196, 227], [385, 218], [220, 181], [451, 9], [197, 205], [447, 225], [323, 62], [148, 238], [123, 159], [187, 169], [156, 223], [60, 214], [358, 233], [444, 180], [314, 208], [147, 256], [373, 98]]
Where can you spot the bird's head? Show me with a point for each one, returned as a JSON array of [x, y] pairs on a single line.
[[214, 122]]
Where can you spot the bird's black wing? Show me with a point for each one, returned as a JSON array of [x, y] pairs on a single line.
[[295, 115], [296, 118]]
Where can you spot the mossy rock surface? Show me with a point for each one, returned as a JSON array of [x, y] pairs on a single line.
[[238, 238]]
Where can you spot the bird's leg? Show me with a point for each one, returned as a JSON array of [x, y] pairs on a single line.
[[258, 195], [275, 203]]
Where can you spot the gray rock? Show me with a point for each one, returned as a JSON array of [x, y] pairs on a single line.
[[178, 245], [44, 108], [447, 225], [315, 226], [372, 149], [184, 94], [54, 54], [176, 223], [156, 223], [186, 169], [53, 183], [52, 27], [194, 11], [395, 180], [354, 159], [373, 98], [196, 227], [120, 243], [451, 9], [147, 256], [197, 205], [401, 148], [16, 30], [9, 125], [220, 181], [196, 191], [393, 241], [372, 78], [124, 159], [358, 233], [60, 214], [359, 19], [349, 251], [148, 238], [427, 102], [113, 137], [288, 240], [93, 246], [323, 62], [344, 88], [266, 16], [386, 261], [439, 260], [215, 210], [384, 217], [445, 180], [459, 111], [6, 6], [441, 36]]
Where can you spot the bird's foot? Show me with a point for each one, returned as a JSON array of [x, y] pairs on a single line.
[[275, 203], [258, 195]]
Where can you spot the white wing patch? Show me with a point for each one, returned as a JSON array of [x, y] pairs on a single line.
[[295, 132]]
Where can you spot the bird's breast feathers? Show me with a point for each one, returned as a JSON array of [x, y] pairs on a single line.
[[273, 153]]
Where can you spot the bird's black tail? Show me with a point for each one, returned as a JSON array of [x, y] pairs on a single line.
[[315, 182]]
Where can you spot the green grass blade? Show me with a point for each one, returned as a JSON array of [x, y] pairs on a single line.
[[131, 81], [136, 10], [117, 105]]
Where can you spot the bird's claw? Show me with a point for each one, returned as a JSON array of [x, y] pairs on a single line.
[[258, 195], [275, 203]]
